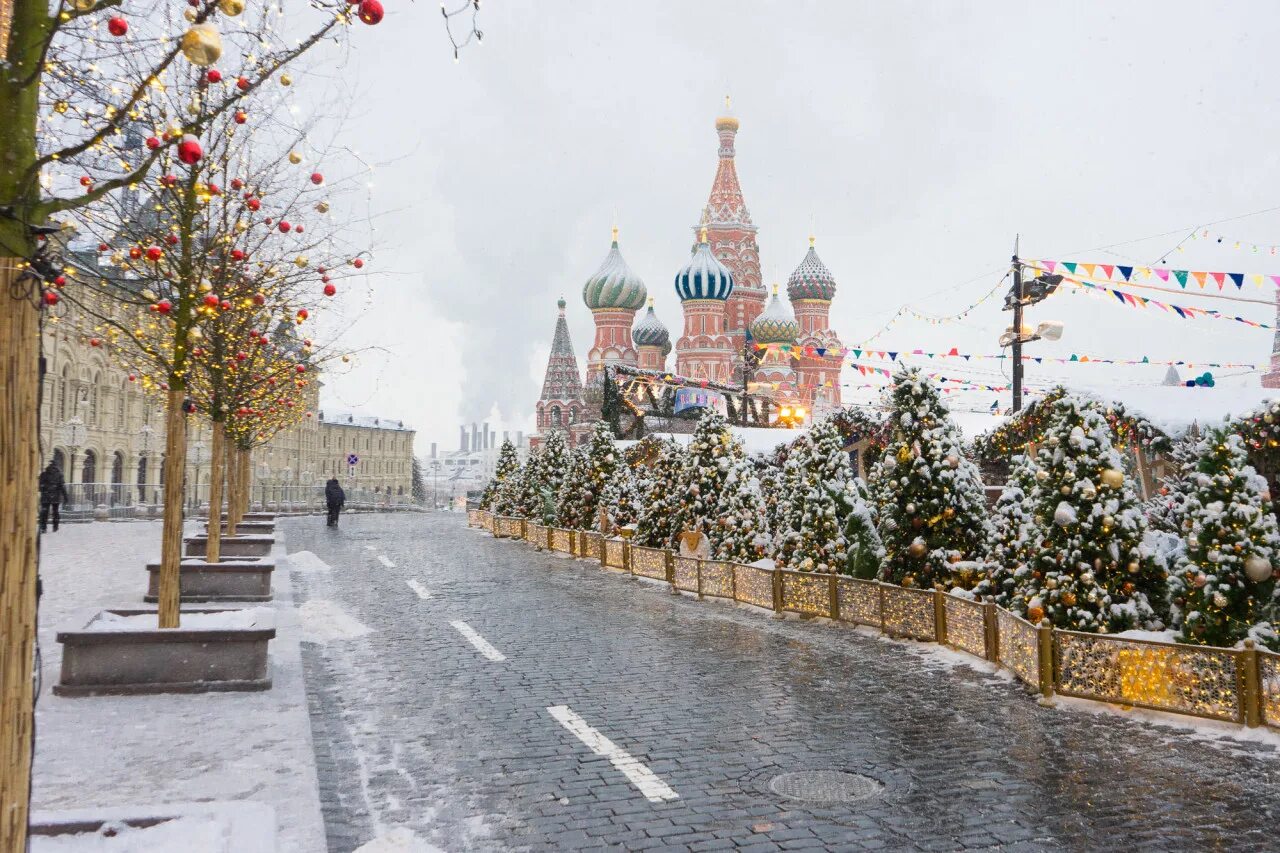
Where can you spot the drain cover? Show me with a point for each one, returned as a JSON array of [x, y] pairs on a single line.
[[825, 786]]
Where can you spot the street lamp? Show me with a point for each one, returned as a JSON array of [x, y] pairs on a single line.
[[197, 459], [435, 484], [74, 436], [146, 436], [1021, 295], [791, 416]]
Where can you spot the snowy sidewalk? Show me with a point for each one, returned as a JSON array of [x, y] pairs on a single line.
[[146, 750]]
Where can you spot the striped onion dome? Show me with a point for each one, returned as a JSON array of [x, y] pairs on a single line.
[[614, 285], [704, 277], [812, 279], [650, 332], [776, 324]]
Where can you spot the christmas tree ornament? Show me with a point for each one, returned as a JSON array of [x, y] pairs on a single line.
[[1257, 569], [231, 8], [370, 12], [201, 44], [286, 80], [117, 26], [189, 150], [295, 158], [1112, 478]]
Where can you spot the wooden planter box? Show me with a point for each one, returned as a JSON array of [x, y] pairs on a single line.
[[248, 545], [252, 528], [245, 579], [246, 827], [143, 659]]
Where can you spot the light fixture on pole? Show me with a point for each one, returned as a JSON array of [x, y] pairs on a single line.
[[1021, 295]]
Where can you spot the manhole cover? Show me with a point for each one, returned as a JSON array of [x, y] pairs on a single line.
[[825, 786]]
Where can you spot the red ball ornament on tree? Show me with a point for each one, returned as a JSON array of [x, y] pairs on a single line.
[[117, 26], [237, 254], [153, 142], [259, 299], [241, 116], [370, 12], [242, 84], [298, 228], [301, 368], [86, 181], [213, 75], [94, 342], [237, 184], [164, 306], [60, 282], [357, 263], [329, 290], [189, 150], [50, 297], [284, 226], [172, 239], [211, 299], [303, 314], [102, 247], [225, 305], [254, 204], [317, 178], [154, 253]]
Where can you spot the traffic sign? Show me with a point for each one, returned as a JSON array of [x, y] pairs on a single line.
[[352, 459]]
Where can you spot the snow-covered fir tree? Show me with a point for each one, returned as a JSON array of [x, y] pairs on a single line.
[[865, 548], [660, 496], [788, 509], [527, 497], [554, 462], [507, 462], [744, 531], [769, 473], [507, 499], [583, 488], [1011, 535], [711, 455], [826, 496], [576, 503], [1226, 586], [933, 511], [1089, 567], [621, 497], [1165, 509]]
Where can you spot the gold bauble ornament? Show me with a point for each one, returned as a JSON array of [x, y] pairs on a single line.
[[60, 107], [286, 80], [294, 157], [1035, 614], [189, 15], [1257, 568], [952, 461], [300, 261], [1108, 521], [1042, 475], [231, 8], [202, 45], [1069, 598], [83, 5], [917, 549], [322, 206], [1112, 478], [1133, 567]]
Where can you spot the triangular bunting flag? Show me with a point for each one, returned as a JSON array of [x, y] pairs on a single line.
[[1049, 265], [1237, 278], [893, 356], [1107, 269], [1164, 276], [1220, 278], [1070, 266], [1181, 276], [1125, 272], [1088, 269], [1199, 277]]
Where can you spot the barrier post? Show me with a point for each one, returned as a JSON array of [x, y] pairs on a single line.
[[833, 597], [777, 590], [1045, 636], [992, 623], [1251, 694], [939, 617]]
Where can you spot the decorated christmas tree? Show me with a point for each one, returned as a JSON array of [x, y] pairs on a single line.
[[711, 455], [1166, 508], [866, 550], [930, 498], [1088, 567], [507, 462], [621, 497], [660, 498], [554, 462], [506, 501], [770, 476], [1226, 586], [575, 504], [582, 490], [788, 507], [527, 489], [1011, 535], [826, 494], [743, 529]]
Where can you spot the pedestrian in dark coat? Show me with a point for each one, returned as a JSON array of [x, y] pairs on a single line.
[[334, 498], [53, 494]]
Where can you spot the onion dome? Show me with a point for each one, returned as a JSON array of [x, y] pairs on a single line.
[[704, 277], [614, 285], [776, 324], [650, 332], [812, 279]]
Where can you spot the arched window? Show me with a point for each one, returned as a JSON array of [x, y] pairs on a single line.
[[555, 416], [573, 415], [89, 471], [142, 479]]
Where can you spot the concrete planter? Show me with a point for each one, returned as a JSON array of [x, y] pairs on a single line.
[[254, 528], [225, 650], [246, 827], [232, 546], [246, 579]]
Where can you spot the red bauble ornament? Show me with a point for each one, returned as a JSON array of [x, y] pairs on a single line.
[[86, 181], [329, 290], [357, 263], [254, 204], [172, 239], [133, 377], [214, 75], [189, 150], [241, 356], [135, 252], [303, 314], [168, 180], [237, 255], [214, 189], [60, 281], [298, 228], [211, 299], [259, 299], [285, 226], [50, 297], [241, 116], [154, 253], [117, 26], [317, 178], [164, 306], [189, 406], [370, 12], [94, 342], [225, 305], [102, 247], [243, 83], [236, 184], [301, 368], [153, 142]]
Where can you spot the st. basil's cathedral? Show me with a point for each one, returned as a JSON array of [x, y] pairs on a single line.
[[795, 355]]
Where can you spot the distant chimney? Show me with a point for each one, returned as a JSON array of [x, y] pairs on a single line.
[[506, 436], [493, 438], [475, 436], [462, 442], [519, 438], [484, 438], [433, 450]]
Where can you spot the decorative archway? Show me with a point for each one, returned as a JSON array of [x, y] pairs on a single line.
[[118, 493]]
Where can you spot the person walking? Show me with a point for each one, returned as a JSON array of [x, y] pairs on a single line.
[[53, 494], [334, 497]]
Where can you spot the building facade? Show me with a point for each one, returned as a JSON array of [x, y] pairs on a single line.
[[727, 316]]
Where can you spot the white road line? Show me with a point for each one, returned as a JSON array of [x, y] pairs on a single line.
[[371, 547], [654, 789], [416, 586], [481, 644], [382, 558]]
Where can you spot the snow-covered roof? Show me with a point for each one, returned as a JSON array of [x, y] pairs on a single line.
[[366, 421], [1173, 409]]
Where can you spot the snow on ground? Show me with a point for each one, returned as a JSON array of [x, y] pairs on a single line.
[[323, 621], [399, 840], [113, 751], [194, 834], [305, 561], [249, 617], [1218, 732]]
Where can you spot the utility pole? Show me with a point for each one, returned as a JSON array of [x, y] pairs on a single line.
[[1017, 327]]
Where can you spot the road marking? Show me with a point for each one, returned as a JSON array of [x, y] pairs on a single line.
[[382, 558], [654, 789], [416, 586], [371, 547], [481, 644]]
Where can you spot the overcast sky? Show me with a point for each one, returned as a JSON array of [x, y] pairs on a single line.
[[914, 139]]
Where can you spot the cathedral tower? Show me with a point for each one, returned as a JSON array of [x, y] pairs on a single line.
[[705, 350], [811, 287], [777, 325], [652, 340], [561, 405], [614, 294]]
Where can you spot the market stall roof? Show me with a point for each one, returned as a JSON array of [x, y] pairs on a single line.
[[1173, 409]]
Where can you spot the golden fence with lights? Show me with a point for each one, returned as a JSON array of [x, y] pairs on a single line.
[[1235, 685]]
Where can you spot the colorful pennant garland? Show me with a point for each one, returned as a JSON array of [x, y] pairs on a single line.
[[1117, 273], [857, 353]]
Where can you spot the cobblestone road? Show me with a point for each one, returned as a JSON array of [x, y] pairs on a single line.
[[415, 727]]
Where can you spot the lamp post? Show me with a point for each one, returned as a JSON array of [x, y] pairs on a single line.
[[74, 436], [197, 460], [791, 416], [435, 483], [1021, 295], [146, 436]]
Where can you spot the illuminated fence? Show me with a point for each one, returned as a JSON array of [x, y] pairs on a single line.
[[536, 535], [1237, 685]]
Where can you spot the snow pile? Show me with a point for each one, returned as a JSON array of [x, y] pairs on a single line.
[[323, 621], [399, 840], [305, 561], [194, 834], [249, 617]]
